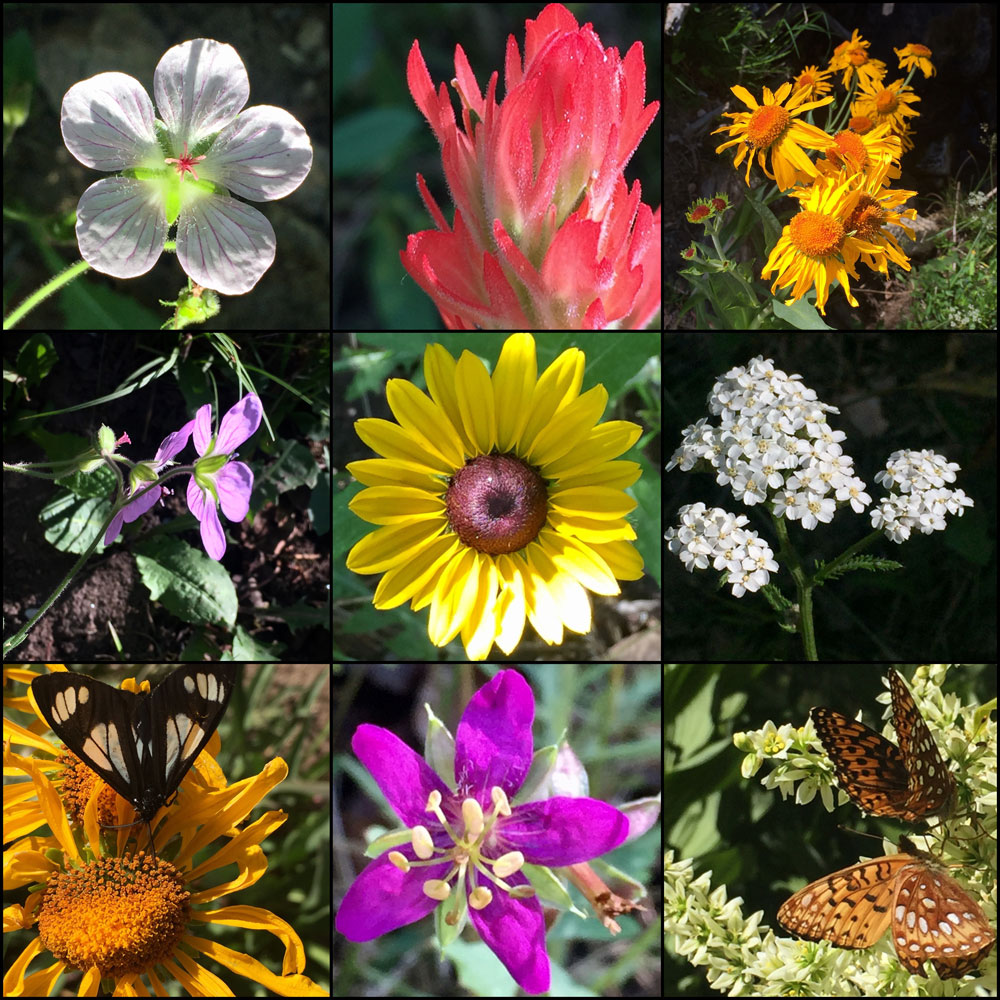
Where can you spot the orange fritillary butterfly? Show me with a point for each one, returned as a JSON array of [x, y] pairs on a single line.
[[910, 782], [932, 917]]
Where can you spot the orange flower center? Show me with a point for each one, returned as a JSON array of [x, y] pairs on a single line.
[[886, 102], [867, 218], [849, 149], [920, 50], [816, 234], [766, 124], [860, 124], [858, 57]]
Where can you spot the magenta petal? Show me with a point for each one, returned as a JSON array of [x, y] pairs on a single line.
[[212, 535], [239, 423], [234, 484], [493, 742], [147, 501], [564, 831], [173, 444], [404, 776], [514, 930], [114, 528], [203, 428], [120, 226], [383, 898]]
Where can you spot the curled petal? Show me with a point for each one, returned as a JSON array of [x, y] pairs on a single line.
[[107, 122], [120, 226], [173, 444], [265, 154], [239, 423], [224, 244], [234, 483], [200, 87]]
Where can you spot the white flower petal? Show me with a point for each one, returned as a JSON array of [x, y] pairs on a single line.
[[265, 154], [224, 244], [120, 226], [107, 122], [200, 87]]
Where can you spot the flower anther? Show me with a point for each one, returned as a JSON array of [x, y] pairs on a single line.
[[185, 163]]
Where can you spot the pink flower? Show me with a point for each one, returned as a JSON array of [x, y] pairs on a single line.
[[217, 479], [546, 233]]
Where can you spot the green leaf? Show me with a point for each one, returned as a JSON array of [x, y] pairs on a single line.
[[186, 581], [771, 224], [71, 522], [36, 358], [246, 647], [801, 314]]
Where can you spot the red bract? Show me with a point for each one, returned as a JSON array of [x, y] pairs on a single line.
[[547, 233]]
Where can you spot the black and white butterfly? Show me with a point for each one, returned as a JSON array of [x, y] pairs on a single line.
[[142, 745]]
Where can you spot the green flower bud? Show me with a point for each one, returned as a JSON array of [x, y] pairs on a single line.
[[106, 439]]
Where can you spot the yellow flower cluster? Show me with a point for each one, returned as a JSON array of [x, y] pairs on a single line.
[[845, 203]]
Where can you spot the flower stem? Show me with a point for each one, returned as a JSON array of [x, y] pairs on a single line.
[[39, 295], [22, 633]]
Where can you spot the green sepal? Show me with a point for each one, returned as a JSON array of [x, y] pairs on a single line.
[[106, 439], [172, 204], [209, 466], [142, 474], [145, 173], [162, 137], [202, 146]]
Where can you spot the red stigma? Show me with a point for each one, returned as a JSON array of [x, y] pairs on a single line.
[[185, 163]]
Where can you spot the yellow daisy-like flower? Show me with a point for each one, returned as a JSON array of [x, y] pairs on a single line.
[[917, 55], [889, 103], [816, 247], [131, 922], [775, 127], [815, 80], [873, 207], [852, 57], [861, 153], [498, 497]]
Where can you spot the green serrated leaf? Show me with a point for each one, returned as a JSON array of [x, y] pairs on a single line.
[[186, 581]]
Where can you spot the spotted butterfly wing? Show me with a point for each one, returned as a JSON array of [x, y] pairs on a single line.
[[931, 916], [141, 745], [910, 782]]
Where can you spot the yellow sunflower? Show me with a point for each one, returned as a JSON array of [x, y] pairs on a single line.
[[852, 57], [815, 79], [917, 55], [816, 248], [498, 498], [775, 127]]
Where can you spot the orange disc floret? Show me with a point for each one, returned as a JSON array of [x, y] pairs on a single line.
[[867, 218], [860, 124], [816, 234], [849, 150], [766, 124], [699, 212]]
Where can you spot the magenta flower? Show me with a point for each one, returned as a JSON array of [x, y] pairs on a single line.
[[182, 167], [217, 478], [470, 844], [142, 475]]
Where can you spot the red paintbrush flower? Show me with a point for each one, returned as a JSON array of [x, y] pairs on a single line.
[[547, 233]]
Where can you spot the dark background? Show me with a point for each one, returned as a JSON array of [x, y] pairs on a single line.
[[286, 51], [924, 390], [945, 135]]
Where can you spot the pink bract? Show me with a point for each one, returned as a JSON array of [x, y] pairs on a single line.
[[547, 233]]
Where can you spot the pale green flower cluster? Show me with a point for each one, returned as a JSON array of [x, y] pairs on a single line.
[[743, 956]]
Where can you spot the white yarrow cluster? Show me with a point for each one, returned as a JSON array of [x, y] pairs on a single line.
[[921, 499], [712, 536], [773, 445]]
